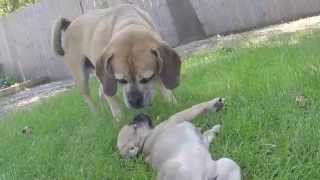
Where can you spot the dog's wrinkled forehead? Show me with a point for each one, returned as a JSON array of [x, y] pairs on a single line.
[[134, 65]]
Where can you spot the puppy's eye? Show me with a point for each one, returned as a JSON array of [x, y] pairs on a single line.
[[122, 81]]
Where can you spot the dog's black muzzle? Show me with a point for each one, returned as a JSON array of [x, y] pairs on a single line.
[[135, 98]]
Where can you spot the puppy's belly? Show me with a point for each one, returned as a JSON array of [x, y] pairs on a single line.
[[191, 157], [190, 161], [181, 144]]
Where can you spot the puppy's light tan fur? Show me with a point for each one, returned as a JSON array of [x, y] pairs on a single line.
[[122, 45], [175, 148]]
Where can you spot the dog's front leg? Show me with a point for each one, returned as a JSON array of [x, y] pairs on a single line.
[[167, 94], [113, 104]]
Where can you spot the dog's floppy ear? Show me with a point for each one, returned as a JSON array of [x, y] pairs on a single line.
[[169, 66], [106, 76]]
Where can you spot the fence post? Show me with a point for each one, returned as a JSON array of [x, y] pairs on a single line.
[[186, 21]]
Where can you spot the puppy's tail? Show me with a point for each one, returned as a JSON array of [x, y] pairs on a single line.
[[60, 25]]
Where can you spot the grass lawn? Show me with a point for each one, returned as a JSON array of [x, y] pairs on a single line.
[[264, 130]]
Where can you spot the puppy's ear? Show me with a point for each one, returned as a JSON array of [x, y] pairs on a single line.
[[169, 66], [105, 74], [142, 120]]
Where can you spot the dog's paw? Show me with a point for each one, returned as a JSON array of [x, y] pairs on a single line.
[[172, 99], [169, 96], [117, 116], [216, 104]]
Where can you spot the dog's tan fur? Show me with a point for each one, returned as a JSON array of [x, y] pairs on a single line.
[[122, 45]]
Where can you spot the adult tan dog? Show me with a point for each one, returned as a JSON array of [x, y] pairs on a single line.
[[175, 148], [124, 47]]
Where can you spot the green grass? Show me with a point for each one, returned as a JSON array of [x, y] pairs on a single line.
[[263, 128]]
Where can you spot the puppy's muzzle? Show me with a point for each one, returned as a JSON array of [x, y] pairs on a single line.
[[135, 98]]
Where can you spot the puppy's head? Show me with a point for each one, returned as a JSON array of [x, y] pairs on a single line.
[[136, 61], [132, 137]]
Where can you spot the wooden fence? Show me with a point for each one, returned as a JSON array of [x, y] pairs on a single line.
[[26, 54]]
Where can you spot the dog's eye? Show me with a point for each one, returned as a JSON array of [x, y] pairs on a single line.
[[123, 81], [146, 80]]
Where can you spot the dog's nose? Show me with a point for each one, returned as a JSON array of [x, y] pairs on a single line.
[[135, 99]]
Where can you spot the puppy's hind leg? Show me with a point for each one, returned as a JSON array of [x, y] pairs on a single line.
[[211, 134], [223, 169], [227, 169]]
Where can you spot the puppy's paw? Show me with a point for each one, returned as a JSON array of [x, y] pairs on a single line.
[[216, 129], [216, 104], [212, 133]]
